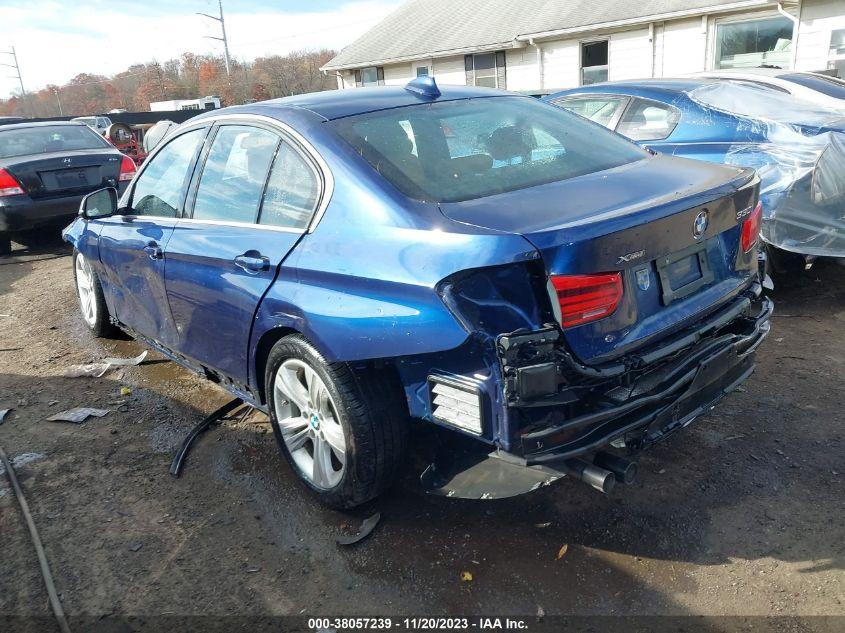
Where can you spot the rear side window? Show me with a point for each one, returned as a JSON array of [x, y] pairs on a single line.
[[234, 174], [601, 109], [829, 86], [292, 191], [646, 120], [160, 188], [461, 150], [48, 138]]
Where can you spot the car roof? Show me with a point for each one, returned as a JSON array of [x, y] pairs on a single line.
[[25, 124], [335, 104], [640, 85]]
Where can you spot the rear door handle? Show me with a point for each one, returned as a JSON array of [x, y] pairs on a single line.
[[154, 251], [252, 262]]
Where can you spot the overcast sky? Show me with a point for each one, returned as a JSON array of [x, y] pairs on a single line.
[[58, 39]]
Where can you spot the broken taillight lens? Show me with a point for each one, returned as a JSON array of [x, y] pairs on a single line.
[[585, 298], [127, 169], [751, 228], [8, 185]]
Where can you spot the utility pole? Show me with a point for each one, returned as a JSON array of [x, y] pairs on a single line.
[[59, 101], [223, 29], [18, 76]]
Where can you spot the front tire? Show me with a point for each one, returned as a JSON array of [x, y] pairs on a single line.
[[343, 431], [92, 303]]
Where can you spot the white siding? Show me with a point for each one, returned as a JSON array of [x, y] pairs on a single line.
[[681, 48], [397, 74], [630, 55], [450, 70], [561, 64], [818, 19], [522, 69]]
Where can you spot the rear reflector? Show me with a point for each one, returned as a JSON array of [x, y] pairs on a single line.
[[751, 228], [8, 185], [127, 169], [585, 298], [455, 404]]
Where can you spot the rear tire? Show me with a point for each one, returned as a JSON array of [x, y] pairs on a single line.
[[92, 303], [5, 244], [316, 414]]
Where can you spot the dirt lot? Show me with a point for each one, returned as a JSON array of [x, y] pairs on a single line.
[[742, 514]]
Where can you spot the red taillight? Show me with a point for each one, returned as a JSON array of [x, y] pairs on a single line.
[[8, 185], [585, 298], [751, 228], [127, 169]]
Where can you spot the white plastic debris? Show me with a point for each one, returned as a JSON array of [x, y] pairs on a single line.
[[77, 415], [97, 370], [3, 413]]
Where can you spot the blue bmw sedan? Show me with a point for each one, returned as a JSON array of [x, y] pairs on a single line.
[[357, 262]]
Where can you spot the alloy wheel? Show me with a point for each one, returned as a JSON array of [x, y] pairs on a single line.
[[309, 423], [85, 289]]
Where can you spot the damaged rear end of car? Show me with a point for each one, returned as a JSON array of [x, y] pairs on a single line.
[[642, 311]]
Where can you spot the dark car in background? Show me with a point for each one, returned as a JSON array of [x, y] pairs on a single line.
[[45, 171]]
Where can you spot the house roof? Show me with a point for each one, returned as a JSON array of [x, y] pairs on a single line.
[[433, 28]]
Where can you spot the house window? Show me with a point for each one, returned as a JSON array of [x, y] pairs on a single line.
[[487, 70], [754, 43], [837, 53], [593, 62], [372, 76], [422, 71]]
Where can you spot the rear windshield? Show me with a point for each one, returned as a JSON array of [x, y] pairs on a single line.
[[48, 138], [826, 85], [460, 150]]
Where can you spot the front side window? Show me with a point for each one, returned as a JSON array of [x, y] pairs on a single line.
[[594, 57], [292, 191], [604, 110], [41, 139], [234, 174], [160, 189], [462, 150], [754, 43], [646, 120]]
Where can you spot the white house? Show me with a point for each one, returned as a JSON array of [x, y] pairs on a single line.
[[538, 46]]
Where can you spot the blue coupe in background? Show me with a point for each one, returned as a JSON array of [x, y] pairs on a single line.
[[798, 148], [352, 261]]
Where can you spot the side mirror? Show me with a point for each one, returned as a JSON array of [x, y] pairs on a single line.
[[99, 204]]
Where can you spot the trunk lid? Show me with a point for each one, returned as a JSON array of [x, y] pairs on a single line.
[[637, 219], [65, 173]]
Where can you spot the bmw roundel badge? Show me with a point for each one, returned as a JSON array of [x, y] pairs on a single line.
[[700, 224], [643, 279]]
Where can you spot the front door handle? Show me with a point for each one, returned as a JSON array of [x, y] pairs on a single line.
[[154, 251], [252, 262]]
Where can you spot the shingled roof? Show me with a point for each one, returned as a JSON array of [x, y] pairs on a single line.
[[435, 28]]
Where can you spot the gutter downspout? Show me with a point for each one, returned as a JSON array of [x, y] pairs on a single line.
[[653, 45], [796, 22], [540, 68]]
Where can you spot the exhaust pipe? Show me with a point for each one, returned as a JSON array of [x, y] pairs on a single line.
[[624, 470], [599, 478]]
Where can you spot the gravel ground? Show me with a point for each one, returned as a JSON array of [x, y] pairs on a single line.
[[740, 515]]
